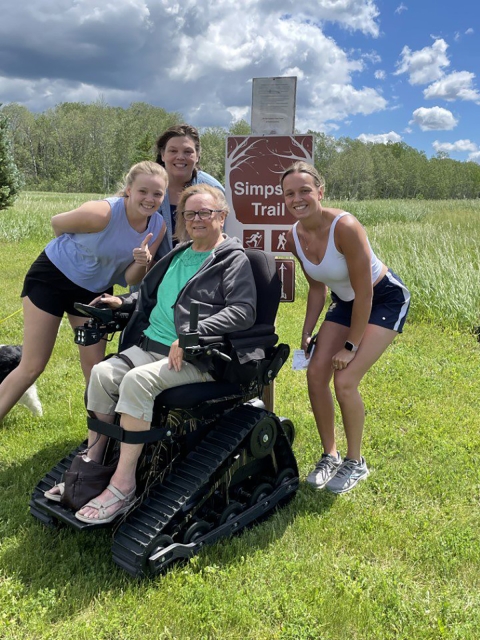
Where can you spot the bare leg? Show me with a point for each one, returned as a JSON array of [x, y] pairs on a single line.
[[96, 441], [331, 338], [375, 340], [124, 476], [39, 335], [91, 355], [137, 388]]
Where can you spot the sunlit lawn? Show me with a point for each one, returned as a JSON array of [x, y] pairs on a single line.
[[396, 558]]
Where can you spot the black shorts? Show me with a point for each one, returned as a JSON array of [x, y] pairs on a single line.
[[390, 304], [51, 291]]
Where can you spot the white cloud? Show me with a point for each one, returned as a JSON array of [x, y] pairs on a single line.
[[458, 146], [469, 32], [46, 92], [401, 7], [380, 138], [282, 47], [358, 15], [238, 113], [434, 119], [424, 66], [380, 74], [455, 86], [474, 157], [371, 57], [196, 58], [337, 102]]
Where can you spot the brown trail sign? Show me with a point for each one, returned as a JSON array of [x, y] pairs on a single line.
[[253, 167]]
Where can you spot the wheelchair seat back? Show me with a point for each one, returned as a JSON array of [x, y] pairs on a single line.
[[233, 378]]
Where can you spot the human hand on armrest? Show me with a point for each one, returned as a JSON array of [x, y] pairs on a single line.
[[175, 356], [112, 302]]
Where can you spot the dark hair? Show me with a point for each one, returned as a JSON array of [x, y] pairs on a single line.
[[303, 167], [178, 131], [217, 195], [146, 167]]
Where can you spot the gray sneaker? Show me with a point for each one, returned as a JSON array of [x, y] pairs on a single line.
[[347, 476], [325, 470]]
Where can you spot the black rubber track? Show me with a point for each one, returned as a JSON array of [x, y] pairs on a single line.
[[135, 539]]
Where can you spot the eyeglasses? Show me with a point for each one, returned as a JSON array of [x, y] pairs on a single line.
[[203, 214]]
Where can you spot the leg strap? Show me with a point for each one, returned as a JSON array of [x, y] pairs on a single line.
[[117, 432]]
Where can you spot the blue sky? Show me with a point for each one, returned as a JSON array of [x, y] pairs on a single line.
[[370, 69], [442, 61]]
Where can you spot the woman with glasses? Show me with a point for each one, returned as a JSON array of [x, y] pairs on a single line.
[[207, 267]]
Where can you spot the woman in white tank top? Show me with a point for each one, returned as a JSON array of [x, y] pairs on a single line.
[[369, 306]]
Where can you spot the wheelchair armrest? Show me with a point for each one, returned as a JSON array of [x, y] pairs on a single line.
[[257, 331], [101, 313], [258, 334], [208, 340], [101, 321]]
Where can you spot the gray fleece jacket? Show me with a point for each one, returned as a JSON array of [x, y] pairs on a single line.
[[224, 287]]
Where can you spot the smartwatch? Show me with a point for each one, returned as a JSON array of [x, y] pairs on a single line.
[[349, 346]]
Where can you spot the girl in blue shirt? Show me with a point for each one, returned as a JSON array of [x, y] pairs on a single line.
[[97, 245]]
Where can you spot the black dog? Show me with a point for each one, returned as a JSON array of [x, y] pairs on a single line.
[[10, 356]]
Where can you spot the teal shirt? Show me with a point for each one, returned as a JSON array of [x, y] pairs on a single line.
[[183, 267]]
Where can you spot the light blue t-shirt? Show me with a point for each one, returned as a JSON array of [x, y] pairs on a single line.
[[184, 266], [97, 261]]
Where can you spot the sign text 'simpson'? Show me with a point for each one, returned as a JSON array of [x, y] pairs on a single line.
[[263, 191]]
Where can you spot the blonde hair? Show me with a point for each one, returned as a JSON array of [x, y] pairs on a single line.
[[220, 203], [147, 167], [303, 167]]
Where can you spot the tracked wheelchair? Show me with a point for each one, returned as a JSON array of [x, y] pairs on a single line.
[[215, 460]]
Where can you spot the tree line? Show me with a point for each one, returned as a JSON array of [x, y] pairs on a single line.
[[77, 147]]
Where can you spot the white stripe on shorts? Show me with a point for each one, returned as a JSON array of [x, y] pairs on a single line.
[[406, 296]]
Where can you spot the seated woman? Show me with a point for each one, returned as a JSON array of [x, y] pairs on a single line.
[[211, 269]]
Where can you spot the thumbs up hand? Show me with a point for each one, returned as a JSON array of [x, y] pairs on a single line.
[[142, 255]]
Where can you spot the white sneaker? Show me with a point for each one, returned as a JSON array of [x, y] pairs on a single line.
[[325, 470], [348, 475]]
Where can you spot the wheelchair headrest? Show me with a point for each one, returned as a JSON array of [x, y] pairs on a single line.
[[268, 285]]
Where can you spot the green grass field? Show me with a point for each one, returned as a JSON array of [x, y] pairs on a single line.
[[398, 558]]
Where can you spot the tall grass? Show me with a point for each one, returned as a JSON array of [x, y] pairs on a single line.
[[440, 263], [29, 218], [434, 246], [371, 212]]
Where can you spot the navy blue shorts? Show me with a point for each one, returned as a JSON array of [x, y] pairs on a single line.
[[51, 291], [391, 300]]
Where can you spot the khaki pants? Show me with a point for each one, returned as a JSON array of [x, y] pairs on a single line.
[[114, 387]]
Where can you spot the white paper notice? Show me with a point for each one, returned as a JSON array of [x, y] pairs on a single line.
[[299, 360]]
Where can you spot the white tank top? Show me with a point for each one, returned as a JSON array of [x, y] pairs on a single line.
[[333, 270]]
